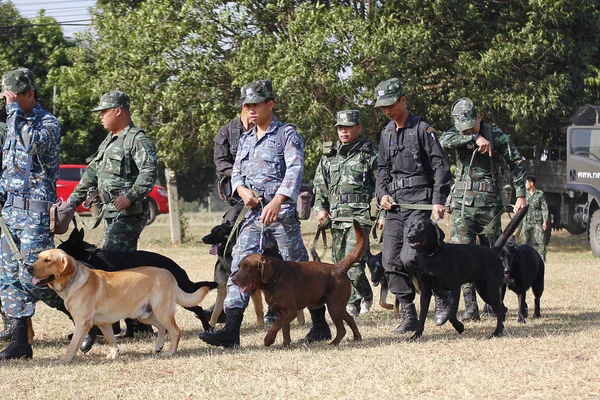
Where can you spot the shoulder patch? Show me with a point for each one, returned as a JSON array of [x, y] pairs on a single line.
[[431, 131]]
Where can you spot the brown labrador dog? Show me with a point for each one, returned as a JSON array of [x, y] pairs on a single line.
[[291, 286], [95, 297]]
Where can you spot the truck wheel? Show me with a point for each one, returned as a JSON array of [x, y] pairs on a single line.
[[595, 233], [153, 211]]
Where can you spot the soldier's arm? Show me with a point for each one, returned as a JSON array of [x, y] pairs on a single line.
[[321, 189], [88, 179], [294, 163], [545, 213], [453, 139], [222, 152], [383, 169], [236, 171], [511, 155], [41, 136], [440, 165], [144, 156]]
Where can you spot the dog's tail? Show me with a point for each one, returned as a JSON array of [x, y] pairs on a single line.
[[511, 227], [359, 248], [193, 299]]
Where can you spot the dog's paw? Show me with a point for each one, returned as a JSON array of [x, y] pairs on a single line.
[[416, 336], [269, 340], [64, 361], [496, 334], [158, 349], [522, 319]]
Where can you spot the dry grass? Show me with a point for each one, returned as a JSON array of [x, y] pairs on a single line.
[[555, 357]]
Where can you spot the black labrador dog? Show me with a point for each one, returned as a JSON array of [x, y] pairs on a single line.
[[443, 266], [378, 278], [78, 248], [523, 269]]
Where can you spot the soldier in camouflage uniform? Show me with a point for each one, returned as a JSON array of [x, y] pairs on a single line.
[[344, 186], [124, 170], [6, 322], [27, 190], [479, 149], [536, 220], [267, 175]]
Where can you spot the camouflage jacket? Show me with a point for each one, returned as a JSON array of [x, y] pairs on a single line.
[[481, 170], [345, 180], [115, 173], [538, 208], [36, 134], [261, 166]]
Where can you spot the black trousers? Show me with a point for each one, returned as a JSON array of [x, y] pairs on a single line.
[[399, 259]]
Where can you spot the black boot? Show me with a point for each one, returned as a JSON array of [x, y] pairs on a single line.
[[441, 307], [471, 309], [229, 336], [488, 311], [208, 314], [19, 347], [410, 323], [89, 339], [9, 327], [320, 329], [270, 317]]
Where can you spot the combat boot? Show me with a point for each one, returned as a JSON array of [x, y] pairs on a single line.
[[89, 339], [471, 309], [270, 317], [9, 326], [229, 336], [410, 323], [319, 330], [19, 348], [209, 311], [488, 311], [440, 315]]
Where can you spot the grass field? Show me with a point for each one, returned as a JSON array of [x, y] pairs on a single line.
[[555, 357]]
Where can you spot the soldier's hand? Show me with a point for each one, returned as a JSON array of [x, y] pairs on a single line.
[[122, 203], [438, 211], [248, 197], [380, 223], [484, 145], [271, 211], [545, 226], [387, 203], [520, 203], [9, 96], [322, 215]]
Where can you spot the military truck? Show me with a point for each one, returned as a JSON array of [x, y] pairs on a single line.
[[570, 178]]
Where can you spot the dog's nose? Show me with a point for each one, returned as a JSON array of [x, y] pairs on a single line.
[[29, 268], [233, 276]]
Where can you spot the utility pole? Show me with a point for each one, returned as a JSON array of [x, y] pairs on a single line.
[[173, 207]]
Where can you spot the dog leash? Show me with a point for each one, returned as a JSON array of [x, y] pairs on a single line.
[[10, 240], [237, 223]]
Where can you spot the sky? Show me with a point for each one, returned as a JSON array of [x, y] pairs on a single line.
[[64, 11]]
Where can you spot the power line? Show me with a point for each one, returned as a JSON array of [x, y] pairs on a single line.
[[69, 14], [54, 9], [49, 2], [68, 23]]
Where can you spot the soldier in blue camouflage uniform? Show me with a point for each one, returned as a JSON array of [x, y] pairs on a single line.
[[6, 322], [479, 149], [27, 190], [124, 170], [413, 181], [535, 222], [344, 186], [267, 175]]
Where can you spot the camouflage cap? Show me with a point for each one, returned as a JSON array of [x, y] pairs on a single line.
[[243, 92], [464, 114], [258, 91], [18, 81], [113, 99], [348, 118], [388, 92]]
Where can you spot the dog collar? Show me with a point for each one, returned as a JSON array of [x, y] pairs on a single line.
[[73, 277], [435, 251]]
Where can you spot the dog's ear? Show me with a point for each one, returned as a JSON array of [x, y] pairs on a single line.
[[440, 234], [266, 269], [65, 262]]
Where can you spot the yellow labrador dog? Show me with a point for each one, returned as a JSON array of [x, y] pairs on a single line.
[[95, 297]]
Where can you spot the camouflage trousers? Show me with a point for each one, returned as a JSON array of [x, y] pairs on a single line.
[[123, 233], [465, 229], [30, 232], [285, 233], [532, 234], [343, 240]]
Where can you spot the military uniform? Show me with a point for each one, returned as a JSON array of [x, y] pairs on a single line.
[[344, 186], [412, 169], [476, 197], [536, 215], [30, 155], [125, 164]]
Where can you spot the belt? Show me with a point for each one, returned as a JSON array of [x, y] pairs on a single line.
[[477, 186], [352, 198], [27, 204], [409, 182]]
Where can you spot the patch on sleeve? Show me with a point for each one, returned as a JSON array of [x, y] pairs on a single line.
[[431, 131]]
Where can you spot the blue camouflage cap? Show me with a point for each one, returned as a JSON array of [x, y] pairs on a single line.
[[113, 99], [464, 114], [388, 92], [18, 81], [348, 118], [258, 91]]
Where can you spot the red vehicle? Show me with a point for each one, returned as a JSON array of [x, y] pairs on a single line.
[[69, 177]]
